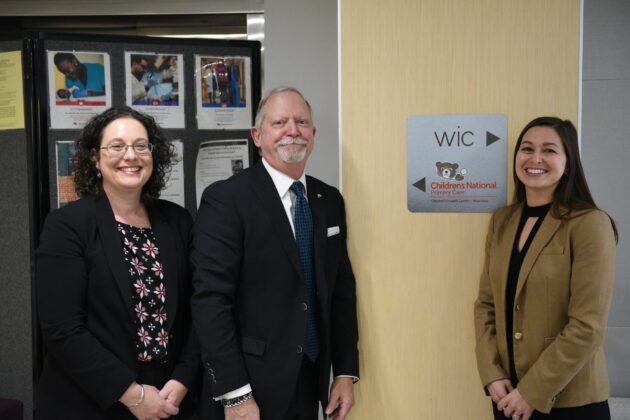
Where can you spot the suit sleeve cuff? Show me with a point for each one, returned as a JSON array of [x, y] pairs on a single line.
[[355, 379], [236, 393]]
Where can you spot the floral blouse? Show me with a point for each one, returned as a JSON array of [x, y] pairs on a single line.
[[148, 292]]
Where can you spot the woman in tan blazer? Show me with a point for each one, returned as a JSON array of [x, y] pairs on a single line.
[[546, 286]]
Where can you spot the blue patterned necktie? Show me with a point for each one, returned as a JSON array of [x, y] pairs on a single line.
[[303, 222]]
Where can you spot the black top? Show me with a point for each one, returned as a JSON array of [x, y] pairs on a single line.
[[148, 293], [516, 261]]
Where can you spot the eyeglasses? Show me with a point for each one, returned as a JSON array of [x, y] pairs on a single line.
[[118, 149]]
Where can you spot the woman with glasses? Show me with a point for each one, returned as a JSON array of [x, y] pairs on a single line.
[[114, 282], [546, 286]]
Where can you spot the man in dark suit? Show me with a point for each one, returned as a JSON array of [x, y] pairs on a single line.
[[274, 304]]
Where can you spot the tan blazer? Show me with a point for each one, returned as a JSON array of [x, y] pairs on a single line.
[[560, 309]]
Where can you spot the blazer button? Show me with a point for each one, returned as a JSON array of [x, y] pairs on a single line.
[[304, 306], [518, 336], [298, 349], [517, 307]]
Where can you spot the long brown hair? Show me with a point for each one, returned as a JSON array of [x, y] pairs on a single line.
[[572, 193]]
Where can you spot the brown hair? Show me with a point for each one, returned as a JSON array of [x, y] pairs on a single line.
[[572, 193]]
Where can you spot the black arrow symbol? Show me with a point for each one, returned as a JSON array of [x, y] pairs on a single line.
[[421, 185], [491, 138]]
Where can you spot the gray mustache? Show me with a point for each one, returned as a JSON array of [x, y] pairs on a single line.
[[291, 140]]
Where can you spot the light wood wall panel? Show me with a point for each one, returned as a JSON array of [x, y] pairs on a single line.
[[417, 274]]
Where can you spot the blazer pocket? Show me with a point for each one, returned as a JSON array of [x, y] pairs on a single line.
[[552, 250], [549, 340], [253, 346]]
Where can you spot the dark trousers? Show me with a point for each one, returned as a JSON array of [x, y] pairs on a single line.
[[305, 405], [595, 411]]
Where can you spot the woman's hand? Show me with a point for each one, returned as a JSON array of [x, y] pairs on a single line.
[[514, 406], [499, 389], [173, 391], [152, 407]]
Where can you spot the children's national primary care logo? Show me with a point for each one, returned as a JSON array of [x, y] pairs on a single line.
[[456, 163], [449, 171]]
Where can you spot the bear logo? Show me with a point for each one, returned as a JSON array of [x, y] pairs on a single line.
[[449, 171]]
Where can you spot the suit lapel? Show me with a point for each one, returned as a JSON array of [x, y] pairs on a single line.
[[165, 239], [505, 245], [547, 229], [113, 249], [317, 203], [265, 190]]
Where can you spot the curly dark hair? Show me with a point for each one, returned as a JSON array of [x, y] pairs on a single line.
[[86, 177]]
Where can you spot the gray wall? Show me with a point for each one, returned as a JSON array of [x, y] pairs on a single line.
[[301, 51], [606, 156]]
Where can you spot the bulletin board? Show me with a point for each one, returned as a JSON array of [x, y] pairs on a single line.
[[203, 93]]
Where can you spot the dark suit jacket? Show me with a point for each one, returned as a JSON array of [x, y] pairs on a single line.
[[561, 308], [250, 288], [86, 313]]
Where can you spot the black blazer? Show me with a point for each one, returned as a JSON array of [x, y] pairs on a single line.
[[86, 313], [250, 288]]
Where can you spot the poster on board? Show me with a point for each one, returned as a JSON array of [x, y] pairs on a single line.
[[456, 163], [79, 87], [174, 189], [219, 159], [65, 177], [11, 91], [223, 91], [155, 86]]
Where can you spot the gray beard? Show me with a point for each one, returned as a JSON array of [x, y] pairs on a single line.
[[292, 157]]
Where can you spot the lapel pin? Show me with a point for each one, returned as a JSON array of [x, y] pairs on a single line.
[[319, 195]]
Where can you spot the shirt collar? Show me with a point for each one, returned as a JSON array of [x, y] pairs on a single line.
[[281, 180]]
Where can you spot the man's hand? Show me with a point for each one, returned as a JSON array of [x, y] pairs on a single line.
[[515, 405], [499, 389], [341, 398], [173, 391], [247, 411]]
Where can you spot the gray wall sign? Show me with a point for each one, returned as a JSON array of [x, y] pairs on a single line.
[[456, 163]]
